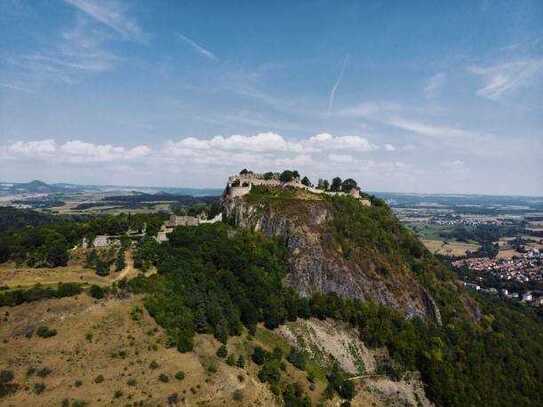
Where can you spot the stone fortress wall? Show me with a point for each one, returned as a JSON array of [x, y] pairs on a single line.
[[240, 185]]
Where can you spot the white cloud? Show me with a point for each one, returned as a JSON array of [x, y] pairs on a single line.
[[74, 151], [34, 149], [198, 48], [340, 158], [502, 79], [327, 142], [455, 164], [389, 147], [434, 85], [111, 14]]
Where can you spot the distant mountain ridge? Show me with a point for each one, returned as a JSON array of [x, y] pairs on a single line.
[[37, 186]]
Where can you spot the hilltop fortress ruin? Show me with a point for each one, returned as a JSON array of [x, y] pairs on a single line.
[[241, 184]]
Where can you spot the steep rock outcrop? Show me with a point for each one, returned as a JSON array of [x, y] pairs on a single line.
[[315, 265]]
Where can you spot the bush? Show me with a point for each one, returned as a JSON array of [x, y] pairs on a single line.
[[44, 371], [270, 372], [222, 352], [99, 379], [131, 382], [173, 399], [102, 268], [118, 394], [164, 378], [39, 388], [180, 375], [154, 365], [259, 355], [78, 383], [212, 367], [231, 360], [241, 361], [44, 332], [6, 376], [297, 359], [96, 292], [237, 395]]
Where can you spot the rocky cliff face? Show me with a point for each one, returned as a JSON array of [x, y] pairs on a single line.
[[315, 265]]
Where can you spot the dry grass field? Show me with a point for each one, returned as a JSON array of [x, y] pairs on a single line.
[[111, 352], [13, 276], [103, 355], [449, 248]]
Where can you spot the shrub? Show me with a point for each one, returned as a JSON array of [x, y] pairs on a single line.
[[154, 365], [259, 355], [6, 376], [241, 361], [102, 268], [173, 399], [237, 395], [78, 383], [222, 352], [231, 360], [44, 332], [44, 371], [39, 388], [136, 313], [180, 375], [270, 372], [212, 367], [118, 394], [96, 292], [131, 382], [164, 378], [297, 359], [99, 379]]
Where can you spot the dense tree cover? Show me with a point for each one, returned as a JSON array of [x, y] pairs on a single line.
[[38, 292], [13, 219], [216, 279], [210, 281], [46, 242], [481, 233]]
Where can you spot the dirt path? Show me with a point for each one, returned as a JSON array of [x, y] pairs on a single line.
[[128, 271]]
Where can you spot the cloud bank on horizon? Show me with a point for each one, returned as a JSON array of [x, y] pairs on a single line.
[[142, 93]]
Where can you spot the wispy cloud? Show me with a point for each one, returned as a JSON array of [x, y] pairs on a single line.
[[428, 130], [111, 14], [15, 86], [332, 95], [198, 48], [506, 78], [79, 51], [434, 85]]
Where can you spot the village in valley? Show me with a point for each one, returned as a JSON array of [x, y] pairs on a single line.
[[495, 244]]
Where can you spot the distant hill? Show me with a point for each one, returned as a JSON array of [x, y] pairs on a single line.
[[37, 186]]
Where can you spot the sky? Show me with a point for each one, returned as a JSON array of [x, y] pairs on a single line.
[[418, 96]]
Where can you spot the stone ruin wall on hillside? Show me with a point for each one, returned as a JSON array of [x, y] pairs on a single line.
[[240, 185]]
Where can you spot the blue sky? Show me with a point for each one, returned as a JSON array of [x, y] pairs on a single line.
[[403, 96]]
